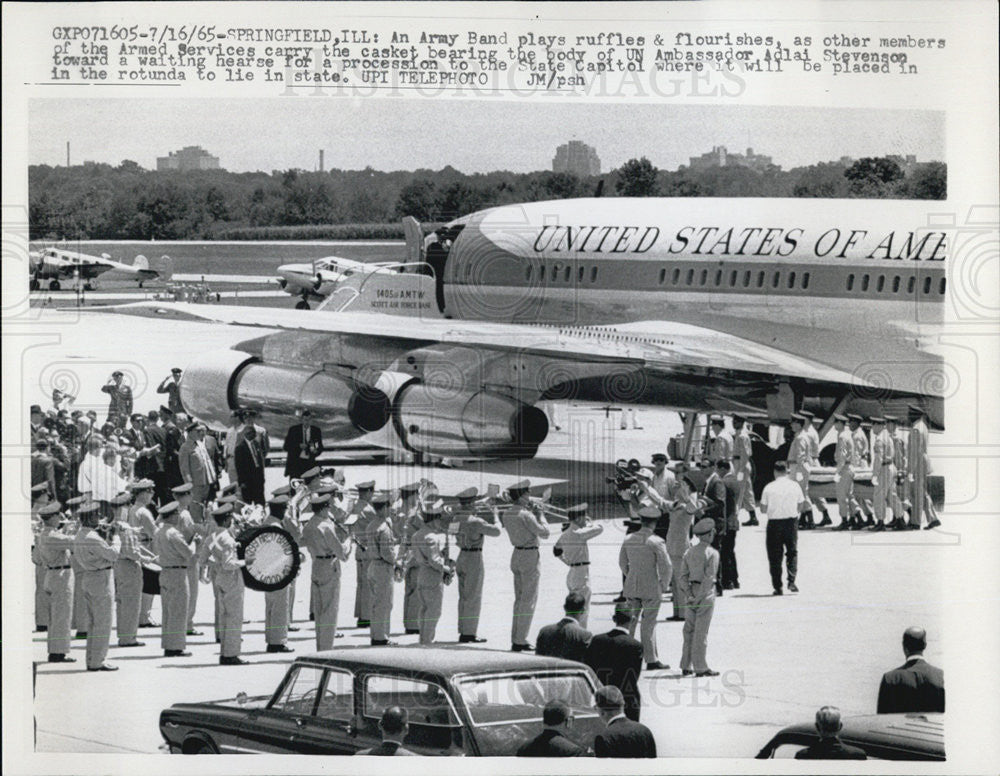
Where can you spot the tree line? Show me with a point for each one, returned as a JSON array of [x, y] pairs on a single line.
[[127, 202]]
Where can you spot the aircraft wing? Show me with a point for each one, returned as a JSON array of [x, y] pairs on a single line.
[[657, 347]]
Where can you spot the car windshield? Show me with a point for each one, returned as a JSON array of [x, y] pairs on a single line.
[[521, 697]]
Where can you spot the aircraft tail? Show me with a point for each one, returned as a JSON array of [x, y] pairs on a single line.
[[141, 262], [414, 239], [163, 266]]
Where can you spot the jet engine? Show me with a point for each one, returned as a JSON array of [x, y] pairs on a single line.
[[218, 382]]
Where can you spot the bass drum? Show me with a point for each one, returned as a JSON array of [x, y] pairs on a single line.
[[271, 555], [151, 579]]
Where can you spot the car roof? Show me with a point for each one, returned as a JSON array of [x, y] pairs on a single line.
[[443, 661], [914, 732]]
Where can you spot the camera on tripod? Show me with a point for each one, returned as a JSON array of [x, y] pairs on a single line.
[[625, 473]]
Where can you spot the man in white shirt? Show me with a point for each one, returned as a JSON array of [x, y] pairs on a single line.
[[106, 483], [89, 465], [781, 501]]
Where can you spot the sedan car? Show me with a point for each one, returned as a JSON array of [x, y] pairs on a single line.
[[461, 701], [882, 736]]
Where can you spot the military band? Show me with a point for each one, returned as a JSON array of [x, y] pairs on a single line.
[[469, 567]]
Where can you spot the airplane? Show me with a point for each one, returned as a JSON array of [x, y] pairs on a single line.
[[53, 264], [756, 306], [318, 279]]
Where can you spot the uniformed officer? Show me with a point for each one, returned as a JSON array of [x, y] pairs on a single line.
[[799, 466], [434, 570], [685, 510], [407, 523], [883, 470], [469, 566], [722, 445], [276, 602], [39, 499], [918, 468], [95, 558], [382, 569], [524, 528], [571, 548], [53, 551], [193, 532], [699, 570], [897, 490], [227, 571], [298, 507], [363, 510], [844, 476], [743, 468], [644, 561], [80, 622], [128, 567], [859, 461], [810, 428], [175, 555], [328, 545]]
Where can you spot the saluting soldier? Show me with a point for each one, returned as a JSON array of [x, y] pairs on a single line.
[[193, 532], [409, 522], [226, 565], [571, 548], [843, 455], [434, 570], [175, 555], [644, 561], [382, 569], [524, 529], [276, 602], [699, 570], [128, 567], [365, 514], [883, 470], [743, 468], [469, 566], [53, 550], [799, 456], [328, 546], [95, 557]]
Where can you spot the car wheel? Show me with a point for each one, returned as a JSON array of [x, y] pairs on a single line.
[[199, 747], [54, 285], [302, 305]]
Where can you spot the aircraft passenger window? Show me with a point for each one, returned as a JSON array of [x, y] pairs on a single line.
[[865, 282], [663, 276], [555, 271], [704, 277], [690, 277], [791, 280], [895, 284], [777, 280], [746, 279], [760, 279], [941, 286], [579, 275], [881, 284], [593, 274], [805, 280], [732, 278], [927, 285], [718, 278], [850, 282], [566, 274], [911, 284], [675, 277]]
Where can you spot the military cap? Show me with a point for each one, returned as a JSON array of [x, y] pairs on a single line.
[[284, 490], [807, 414], [703, 526], [891, 419], [367, 485], [878, 420], [649, 513], [328, 488], [41, 487], [432, 509], [798, 417], [413, 487], [312, 473], [143, 484], [50, 509], [659, 457], [841, 417], [645, 474], [281, 499], [717, 420], [381, 499], [520, 486], [75, 501], [88, 507], [232, 498], [579, 510], [854, 416], [118, 373], [468, 494], [230, 489], [36, 409], [176, 369], [166, 410], [319, 500], [739, 419], [180, 490], [168, 509], [224, 509]]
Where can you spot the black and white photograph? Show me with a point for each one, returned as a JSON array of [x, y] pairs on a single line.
[[364, 407]]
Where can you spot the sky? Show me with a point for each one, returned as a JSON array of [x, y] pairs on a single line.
[[471, 136]]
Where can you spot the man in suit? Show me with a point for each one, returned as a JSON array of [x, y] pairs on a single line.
[[623, 737], [718, 507], [394, 726], [829, 747], [916, 685], [303, 444], [644, 561], [616, 658], [728, 570], [552, 741], [195, 458], [566, 638], [250, 467]]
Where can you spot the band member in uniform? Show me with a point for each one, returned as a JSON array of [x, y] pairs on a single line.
[[298, 507], [844, 477], [303, 445], [571, 548], [192, 532], [699, 571], [382, 569], [918, 467], [524, 529], [799, 456], [175, 555], [409, 522], [276, 602], [365, 513], [226, 567], [128, 567], [469, 566], [79, 621], [328, 546], [434, 570], [743, 468], [644, 562], [53, 549], [95, 557]]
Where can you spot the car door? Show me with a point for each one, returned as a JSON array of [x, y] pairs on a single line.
[[331, 728], [280, 727]]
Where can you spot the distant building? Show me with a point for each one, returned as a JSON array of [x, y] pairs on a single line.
[[577, 158], [720, 157], [188, 158]]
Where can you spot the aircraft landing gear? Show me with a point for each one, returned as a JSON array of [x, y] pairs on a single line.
[[54, 285], [302, 304], [88, 286]]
